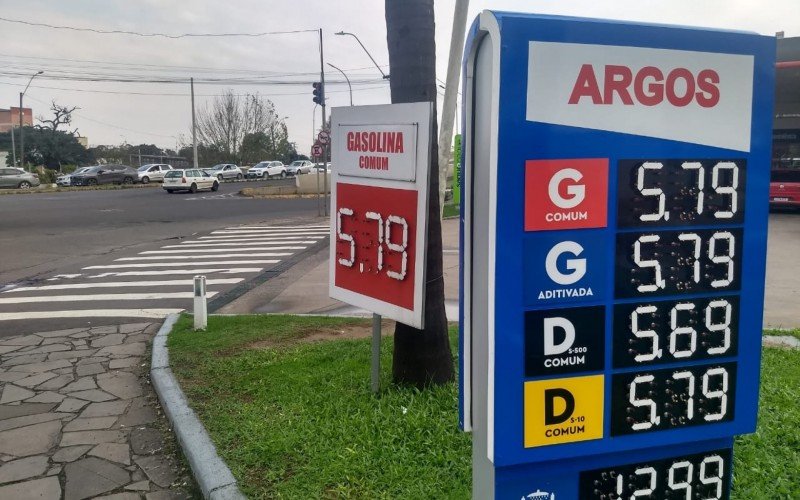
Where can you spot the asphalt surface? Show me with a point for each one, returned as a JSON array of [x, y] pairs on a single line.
[[70, 242]]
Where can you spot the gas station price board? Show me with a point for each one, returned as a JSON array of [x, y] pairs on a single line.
[[615, 188]]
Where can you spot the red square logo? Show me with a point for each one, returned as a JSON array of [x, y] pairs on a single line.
[[566, 194]]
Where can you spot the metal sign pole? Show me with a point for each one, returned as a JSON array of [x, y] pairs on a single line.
[[376, 353]]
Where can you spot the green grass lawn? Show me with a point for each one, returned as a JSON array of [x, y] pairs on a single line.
[[450, 210], [791, 333], [296, 419]]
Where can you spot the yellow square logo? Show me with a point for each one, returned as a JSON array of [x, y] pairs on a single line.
[[563, 410]]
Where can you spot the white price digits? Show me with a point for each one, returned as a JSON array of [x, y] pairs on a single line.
[[658, 282], [681, 480], [384, 239], [726, 190]]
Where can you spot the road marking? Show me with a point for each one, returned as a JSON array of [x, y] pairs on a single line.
[[216, 250], [124, 284], [189, 244], [101, 296], [292, 239], [90, 313], [225, 255], [179, 264], [63, 276], [270, 232], [161, 272], [278, 228]]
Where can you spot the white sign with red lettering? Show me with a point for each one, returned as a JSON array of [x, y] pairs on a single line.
[[697, 97], [386, 151]]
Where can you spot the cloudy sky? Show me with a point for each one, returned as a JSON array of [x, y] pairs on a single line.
[[281, 64]]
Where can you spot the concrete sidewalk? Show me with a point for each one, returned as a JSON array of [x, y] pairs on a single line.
[[304, 288], [79, 420]]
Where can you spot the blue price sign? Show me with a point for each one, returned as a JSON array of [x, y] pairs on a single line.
[[615, 191]]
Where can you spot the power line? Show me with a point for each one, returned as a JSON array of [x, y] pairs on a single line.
[[163, 35]]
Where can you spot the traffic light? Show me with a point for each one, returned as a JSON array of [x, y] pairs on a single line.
[[319, 93]]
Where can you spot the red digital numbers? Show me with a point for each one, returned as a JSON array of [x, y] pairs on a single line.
[[375, 242]]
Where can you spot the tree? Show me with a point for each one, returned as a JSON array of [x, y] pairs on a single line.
[[52, 148], [421, 357], [62, 115], [230, 118]]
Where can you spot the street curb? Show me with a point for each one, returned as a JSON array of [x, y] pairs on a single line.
[[211, 473]]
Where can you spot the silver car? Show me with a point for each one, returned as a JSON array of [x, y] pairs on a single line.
[[17, 178], [225, 171], [298, 167], [66, 179], [153, 172]]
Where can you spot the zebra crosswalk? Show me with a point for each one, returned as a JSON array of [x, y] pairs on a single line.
[[157, 282]]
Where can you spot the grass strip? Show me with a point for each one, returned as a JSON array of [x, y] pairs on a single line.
[[294, 418]]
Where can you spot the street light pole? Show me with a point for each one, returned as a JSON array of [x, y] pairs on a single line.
[[385, 76], [345, 77], [21, 133], [194, 128]]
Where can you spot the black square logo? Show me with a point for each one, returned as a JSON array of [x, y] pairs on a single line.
[[569, 340]]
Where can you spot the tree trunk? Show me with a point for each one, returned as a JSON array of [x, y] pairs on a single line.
[[421, 357]]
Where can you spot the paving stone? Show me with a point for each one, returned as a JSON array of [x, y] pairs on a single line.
[[79, 343], [24, 468], [123, 385], [70, 354], [55, 470], [142, 337], [146, 441], [103, 330], [24, 409], [107, 340], [94, 395], [105, 409], [25, 420], [13, 393], [11, 376], [80, 335], [120, 496], [50, 348], [140, 413], [64, 371], [158, 469], [167, 495], [31, 440], [40, 489], [35, 380], [56, 383], [82, 384], [47, 397], [92, 437], [139, 486], [55, 340], [124, 350], [61, 333], [71, 453], [136, 473], [24, 359], [89, 424], [92, 476], [45, 366], [116, 364], [134, 327], [115, 452], [92, 360], [72, 405], [9, 348], [89, 369], [22, 340]]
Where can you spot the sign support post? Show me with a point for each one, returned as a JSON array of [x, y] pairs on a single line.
[[614, 211], [376, 353]]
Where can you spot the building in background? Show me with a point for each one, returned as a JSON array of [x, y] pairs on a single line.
[[10, 117], [786, 126]]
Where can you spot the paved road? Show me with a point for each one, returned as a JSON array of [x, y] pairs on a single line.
[[136, 250]]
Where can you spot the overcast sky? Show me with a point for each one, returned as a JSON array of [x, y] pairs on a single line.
[[111, 113]]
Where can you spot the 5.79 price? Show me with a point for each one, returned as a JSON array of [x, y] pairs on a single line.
[[384, 229]]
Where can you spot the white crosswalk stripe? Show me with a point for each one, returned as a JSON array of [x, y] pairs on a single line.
[[157, 282]]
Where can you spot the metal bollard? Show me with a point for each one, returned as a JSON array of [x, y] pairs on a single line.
[[200, 303]]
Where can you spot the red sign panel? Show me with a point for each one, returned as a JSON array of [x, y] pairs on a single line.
[[375, 242], [566, 194]]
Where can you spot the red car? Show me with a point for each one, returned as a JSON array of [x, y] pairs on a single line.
[[784, 188]]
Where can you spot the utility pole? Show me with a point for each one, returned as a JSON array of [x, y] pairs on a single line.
[[322, 105], [13, 146], [21, 132], [450, 95], [194, 128]]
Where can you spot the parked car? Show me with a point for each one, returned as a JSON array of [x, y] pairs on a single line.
[[105, 174], [66, 180], [320, 168], [153, 172], [267, 169], [225, 171], [784, 188], [11, 177], [298, 167], [191, 179]]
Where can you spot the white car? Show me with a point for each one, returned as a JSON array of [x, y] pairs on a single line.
[[298, 167], [153, 172], [191, 179], [267, 169], [225, 171], [66, 180]]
